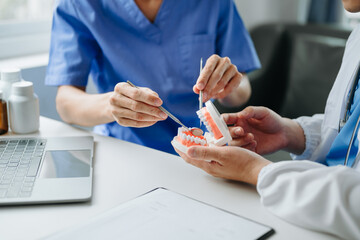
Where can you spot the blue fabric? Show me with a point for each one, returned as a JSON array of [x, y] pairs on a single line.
[[114, 42], [339, 148], [324, 11]]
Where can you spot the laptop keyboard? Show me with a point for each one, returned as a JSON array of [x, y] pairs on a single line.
[[19, 164]]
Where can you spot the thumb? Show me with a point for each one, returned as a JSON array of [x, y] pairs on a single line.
[[254, 112], [205, 153]]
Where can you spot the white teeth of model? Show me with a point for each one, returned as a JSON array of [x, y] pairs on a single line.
[[192, 138], [207, 126], [202, 142], [197, 140], [201, 116], [183, 135], [209, 129], [187, 137]]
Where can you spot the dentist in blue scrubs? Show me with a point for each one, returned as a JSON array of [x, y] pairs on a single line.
[[157, 45]]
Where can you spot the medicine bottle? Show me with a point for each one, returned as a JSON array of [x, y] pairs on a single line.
[[8, 77], [23, 108], [4, 126]]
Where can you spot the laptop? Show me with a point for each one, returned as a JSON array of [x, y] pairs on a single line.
[[45, 170]]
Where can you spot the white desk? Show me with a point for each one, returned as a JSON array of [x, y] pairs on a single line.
[[123, 171]]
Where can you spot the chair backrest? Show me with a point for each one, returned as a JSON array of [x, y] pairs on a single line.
[[299, 66], [315, 56]]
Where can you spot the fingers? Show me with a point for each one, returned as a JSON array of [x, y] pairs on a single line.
[[135, 107], [205, 153], [240, 137], [144, 95], [247, 113], [232, 84], [124, 113], [135, 123], [123, 104], [218, 78], [251, 146], [254, 112], [230, 118], [231, 75], [243, 141], [208, 166], [207, 71], [197, 163], [237, 132]]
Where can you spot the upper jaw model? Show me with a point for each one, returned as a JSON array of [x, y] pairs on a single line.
[[218, 133]]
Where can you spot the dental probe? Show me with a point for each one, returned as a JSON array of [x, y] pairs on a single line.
[[201, 93], [164, 110]]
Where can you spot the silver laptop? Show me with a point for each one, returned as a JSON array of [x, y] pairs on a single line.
[[45, 170]]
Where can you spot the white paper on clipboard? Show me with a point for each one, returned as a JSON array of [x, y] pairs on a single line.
[[163, 214]]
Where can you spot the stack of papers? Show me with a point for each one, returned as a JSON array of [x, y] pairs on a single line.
[[163, 214]]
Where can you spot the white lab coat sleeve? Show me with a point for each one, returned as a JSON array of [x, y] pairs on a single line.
[[312, 131], [313, 196]]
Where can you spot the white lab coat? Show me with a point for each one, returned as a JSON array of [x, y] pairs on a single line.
[[307, 193]]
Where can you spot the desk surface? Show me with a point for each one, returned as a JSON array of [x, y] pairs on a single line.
[[123, 171]]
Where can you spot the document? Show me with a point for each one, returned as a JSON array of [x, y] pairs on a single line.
[[163, 214]]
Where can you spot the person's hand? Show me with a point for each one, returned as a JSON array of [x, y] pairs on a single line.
[[135, 107], [232, 163], [240, 138], [218, 78], [266, 129]]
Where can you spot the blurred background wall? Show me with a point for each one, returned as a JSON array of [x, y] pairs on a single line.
[[256, 12]]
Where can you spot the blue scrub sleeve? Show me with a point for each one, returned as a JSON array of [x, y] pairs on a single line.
[[233, 40], [72, 48]]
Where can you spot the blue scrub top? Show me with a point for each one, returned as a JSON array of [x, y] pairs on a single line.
[[113, 42], [339, 148]]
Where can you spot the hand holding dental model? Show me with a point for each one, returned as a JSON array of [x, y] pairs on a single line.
[[206, 152], [261, 130], [257, 129]]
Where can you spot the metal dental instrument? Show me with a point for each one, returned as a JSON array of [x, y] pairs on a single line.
[[201, 93], [164, 110]]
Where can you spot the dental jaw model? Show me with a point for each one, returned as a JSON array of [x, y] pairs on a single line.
[[218, 133], [186, 139]]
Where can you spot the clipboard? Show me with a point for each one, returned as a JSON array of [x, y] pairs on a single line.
[[163, 214]]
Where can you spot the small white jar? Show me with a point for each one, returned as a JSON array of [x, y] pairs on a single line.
[[8, 77], [23, 108]]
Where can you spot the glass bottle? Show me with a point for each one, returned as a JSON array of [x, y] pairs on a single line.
[[4, 126]]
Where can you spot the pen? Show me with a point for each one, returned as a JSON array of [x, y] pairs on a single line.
[[201, 93], [164, 110]]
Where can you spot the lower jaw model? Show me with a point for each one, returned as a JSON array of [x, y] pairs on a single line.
[[218, 133]]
